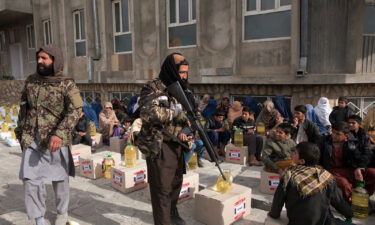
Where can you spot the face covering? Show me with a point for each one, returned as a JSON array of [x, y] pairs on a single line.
[[45, 70]]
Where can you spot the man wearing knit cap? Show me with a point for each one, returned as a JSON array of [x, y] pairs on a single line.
[[50, 107]]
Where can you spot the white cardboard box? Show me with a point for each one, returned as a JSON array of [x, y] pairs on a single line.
[[117, 145], [129, 179], [98, 140], [237, 155], [91, 167], [78, 151], [268, 182], [214, 208]]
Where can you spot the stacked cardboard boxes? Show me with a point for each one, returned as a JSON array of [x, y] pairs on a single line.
[[213, 208], [91, 167]]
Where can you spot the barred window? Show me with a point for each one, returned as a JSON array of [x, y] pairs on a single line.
[[79, 33]]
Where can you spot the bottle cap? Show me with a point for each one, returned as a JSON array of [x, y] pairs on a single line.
[[362, 185], [109, 155], [129, 144]]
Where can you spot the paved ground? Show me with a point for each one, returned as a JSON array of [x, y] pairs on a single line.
[[96, 202]]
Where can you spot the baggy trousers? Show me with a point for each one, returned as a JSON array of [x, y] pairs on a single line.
[[254, 144], [165, 174], [35, 197]]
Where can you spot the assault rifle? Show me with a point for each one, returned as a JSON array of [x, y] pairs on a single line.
[[178, 93]]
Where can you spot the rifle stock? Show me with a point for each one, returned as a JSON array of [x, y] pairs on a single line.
[[178, 93]]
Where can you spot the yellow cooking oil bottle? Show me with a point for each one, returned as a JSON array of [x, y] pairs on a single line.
[[13, 133], [261, 129], [92, 129], [238, 137], [130, 154], [107, 164], [193, 162], [4, 127], [224, 186], [8, 119], [360, 200]]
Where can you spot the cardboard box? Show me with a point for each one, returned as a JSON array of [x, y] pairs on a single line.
[[214, 208], [98, 140], [5, 135], [237, 155], [79, 151], [91, 167], [268, 182], [190, 186], [117, 145], [129, 179]]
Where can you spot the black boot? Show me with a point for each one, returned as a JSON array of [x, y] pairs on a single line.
[[175, 218]]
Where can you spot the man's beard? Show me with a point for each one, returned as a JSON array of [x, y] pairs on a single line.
[[45, 70]]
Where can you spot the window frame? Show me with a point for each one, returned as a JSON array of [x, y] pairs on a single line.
[[91, 94], [80, 40], [49, 27], [30, 31], [258, 11], [191, 21], [114, 25], [2, 41]]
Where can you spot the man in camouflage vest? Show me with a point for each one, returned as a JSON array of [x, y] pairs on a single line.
[[161, 139], [50, 107]]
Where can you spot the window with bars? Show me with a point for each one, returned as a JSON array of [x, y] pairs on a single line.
[[79, 32], [361, 105], [258, 99], [89, 96], [121, 96], [47, 31], [121, 26], [181, 20], [30, 34], [369, 20], [266, 20]]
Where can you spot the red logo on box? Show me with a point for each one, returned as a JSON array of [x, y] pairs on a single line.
[[140, 177], [239, 208], [273, 182], [117, 178], [184, 193], [86, 167]]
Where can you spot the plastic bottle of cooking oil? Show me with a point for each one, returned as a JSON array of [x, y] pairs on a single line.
[[238, 137], [108, 163], [193, 162], [360, 200], [8, 119], [224, 186], [13, 133], [130, 154], [92, 129], [261, 129], [7, 110], [5, 127]]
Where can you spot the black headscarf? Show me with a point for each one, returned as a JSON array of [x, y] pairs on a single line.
[[169, 74]]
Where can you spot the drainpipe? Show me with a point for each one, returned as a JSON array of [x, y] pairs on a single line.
[[304, 19], [97, 56]]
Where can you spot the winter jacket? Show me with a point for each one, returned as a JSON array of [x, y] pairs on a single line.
[[311, 130], [340, 114], [275, 151]]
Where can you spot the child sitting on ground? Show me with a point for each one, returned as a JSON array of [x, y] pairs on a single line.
[[277, 149], [308, 191]]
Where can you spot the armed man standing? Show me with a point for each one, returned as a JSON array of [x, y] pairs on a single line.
[[162, 141], [50, 107]]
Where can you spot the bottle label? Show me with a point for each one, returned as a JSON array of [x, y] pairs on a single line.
[[239, 208]]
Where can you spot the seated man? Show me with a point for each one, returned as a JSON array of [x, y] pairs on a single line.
[[197, 147], [80, 132], [218, 135], [253, 141], [277, 149], [308, 191], [347, 159], [304, 129]]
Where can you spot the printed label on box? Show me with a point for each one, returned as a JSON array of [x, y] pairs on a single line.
[[184, 193], [234, 154], [76, 158], [239, 208], [117, 178], [140, 177], [86, 167], [273, 182]]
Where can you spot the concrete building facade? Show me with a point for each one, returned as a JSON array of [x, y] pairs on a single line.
[[303, 49]]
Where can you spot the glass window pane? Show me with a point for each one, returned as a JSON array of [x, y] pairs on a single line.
[[182, 35], [46, 34], [117, 17], [369, 20], [184, 11], [267, 4], [32, 37], [125, 15], [251, 5], [82, 20], [76, 24], [270, 25], [49, 32], [172, 11], [285, 2], [81, 48], [194, 9], [123, 43]]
